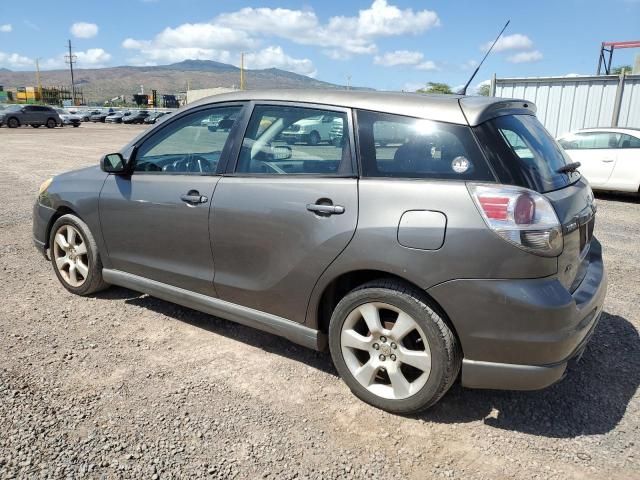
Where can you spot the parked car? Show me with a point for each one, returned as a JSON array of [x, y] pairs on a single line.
[[153, 117], [609, 157], [310, 130], [137, 117], [34, 115], [117, 117], [68, 118], [101, 115], [451, 252], [218, 122], [85, 115]]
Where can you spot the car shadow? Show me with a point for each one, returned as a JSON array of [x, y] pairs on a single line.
[[590, 400], [618, 197], [250, 336]]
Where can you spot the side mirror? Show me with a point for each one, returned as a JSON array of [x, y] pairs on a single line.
[[281, 152], [113, 163]]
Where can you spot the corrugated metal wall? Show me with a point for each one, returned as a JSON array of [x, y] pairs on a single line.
[[568, 103]]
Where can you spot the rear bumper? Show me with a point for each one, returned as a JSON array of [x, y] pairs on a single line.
[[521, 334]]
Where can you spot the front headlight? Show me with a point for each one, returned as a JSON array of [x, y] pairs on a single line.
[[44, 186]]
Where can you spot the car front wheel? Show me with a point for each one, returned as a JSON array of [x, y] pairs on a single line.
[[391, 348], [75, 257]]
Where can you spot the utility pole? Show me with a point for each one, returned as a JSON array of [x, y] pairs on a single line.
[[38, 82], [242, 71], [71, 59], [348, 82]]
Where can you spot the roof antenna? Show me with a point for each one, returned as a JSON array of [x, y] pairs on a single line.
[[464, 89]]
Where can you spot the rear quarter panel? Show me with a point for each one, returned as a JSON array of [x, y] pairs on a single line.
[[470, 249]]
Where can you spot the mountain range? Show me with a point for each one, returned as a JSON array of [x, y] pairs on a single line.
[[99, 84]]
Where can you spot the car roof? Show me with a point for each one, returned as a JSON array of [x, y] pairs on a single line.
[[446, 108], [635, 132]]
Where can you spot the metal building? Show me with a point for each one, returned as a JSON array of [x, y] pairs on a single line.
[[569, 103]]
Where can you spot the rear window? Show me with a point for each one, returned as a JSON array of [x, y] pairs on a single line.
[[523, 153], [405, 147]]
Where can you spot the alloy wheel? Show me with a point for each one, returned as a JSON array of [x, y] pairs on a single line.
[[70, 254], [385, 350]]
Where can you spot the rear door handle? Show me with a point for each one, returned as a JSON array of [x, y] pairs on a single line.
[[193, 197], [608, 160], [325, 209]]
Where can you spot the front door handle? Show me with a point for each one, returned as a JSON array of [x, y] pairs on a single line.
[[607, 160], [325, 209], [193, 197]]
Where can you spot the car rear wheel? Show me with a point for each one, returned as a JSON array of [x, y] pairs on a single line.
[[13, 123], [74, 256], [391, 348], [51, 123]]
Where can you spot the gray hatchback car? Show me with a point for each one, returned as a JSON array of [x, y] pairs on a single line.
[[440, 237]]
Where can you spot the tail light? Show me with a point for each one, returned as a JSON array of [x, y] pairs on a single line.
[[520, 216]]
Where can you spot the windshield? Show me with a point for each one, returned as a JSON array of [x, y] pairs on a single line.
[[524, 153]]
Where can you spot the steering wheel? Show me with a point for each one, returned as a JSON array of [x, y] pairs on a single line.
[[193, 163]]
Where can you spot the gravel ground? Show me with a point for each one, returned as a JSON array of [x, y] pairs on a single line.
[[122, 385]]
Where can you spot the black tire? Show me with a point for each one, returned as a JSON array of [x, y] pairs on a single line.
[[446, 356], [76, 125], [93, 281], [314, 138], [51, 123], [13, 122]]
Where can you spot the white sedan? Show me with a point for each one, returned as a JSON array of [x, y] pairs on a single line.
[[609, 157]]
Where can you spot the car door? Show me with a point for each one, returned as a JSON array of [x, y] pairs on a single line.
[[282, 214], [29, 115], [596, 152], [155, 220]]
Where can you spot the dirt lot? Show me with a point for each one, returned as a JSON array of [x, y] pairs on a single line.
[[122, 385]]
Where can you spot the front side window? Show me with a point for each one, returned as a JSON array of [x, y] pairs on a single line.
[[286, 140], [404, 147], [523, 153], [186, 146]]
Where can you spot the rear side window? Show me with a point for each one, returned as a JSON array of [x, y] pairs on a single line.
[[404, 147], [523, 153], [591, 141]]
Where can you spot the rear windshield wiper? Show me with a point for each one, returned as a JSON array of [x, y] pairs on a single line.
[[569, 167]]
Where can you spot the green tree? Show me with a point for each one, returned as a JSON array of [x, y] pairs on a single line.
[[484, 90], [435, 87], [618, 70]]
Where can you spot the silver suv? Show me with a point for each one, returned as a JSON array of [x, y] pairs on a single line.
[[461, 248]]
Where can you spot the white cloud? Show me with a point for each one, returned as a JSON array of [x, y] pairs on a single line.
[[399, 57], [91, 58], [84, 30], [6, 28], [525, 57], [405, 57], [428, 66], [275, 57], [516, 41], [246, 29], [14, 60]]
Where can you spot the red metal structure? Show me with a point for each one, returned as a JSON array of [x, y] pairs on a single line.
[[609, 47]]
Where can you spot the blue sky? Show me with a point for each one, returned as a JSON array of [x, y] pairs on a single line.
[[385, 44]]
